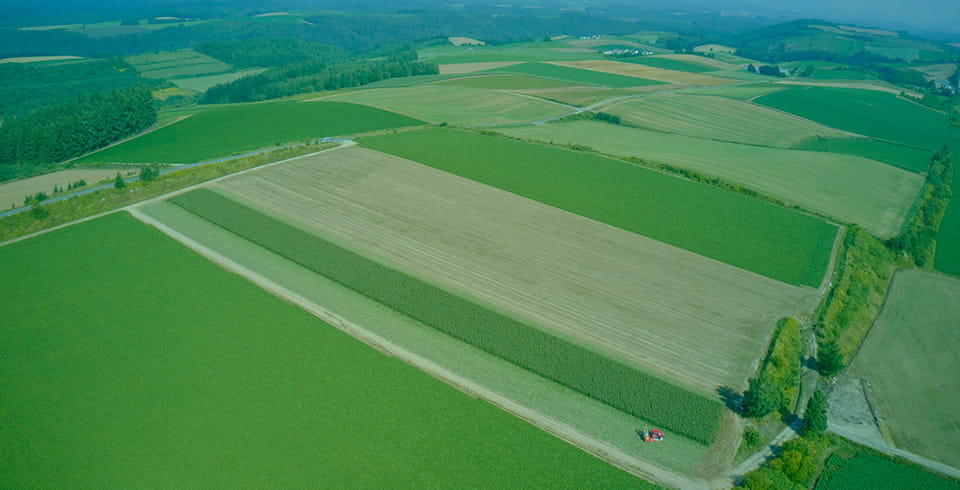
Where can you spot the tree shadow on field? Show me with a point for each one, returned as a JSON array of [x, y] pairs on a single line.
[[731, 398]]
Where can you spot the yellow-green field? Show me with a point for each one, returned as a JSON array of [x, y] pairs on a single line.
[[455, 105], [721, 119], [910, 360], [853, 189], [613, 291], [177, 64]]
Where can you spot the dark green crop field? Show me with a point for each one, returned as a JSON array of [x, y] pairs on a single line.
[[575, 75], [867, 471], [668, 64], [868, 112], [568, 364], [224, 131], [748, 233], [128, 361]]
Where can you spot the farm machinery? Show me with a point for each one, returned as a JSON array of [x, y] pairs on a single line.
[[653, 435]]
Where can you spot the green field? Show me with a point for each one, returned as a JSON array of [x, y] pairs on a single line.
[[455, 105], [201, 84], [905, 157], [948, 241], [744, 232], [910, 360], [575, 75], [872, 113], [849, 188], [668, 64], [224, 131], [226, 385], [185, 63], [505, 82], [868, 471], [721, 119], [536, 51], [564, 362]]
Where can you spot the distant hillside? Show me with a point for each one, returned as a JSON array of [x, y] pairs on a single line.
[[810, 39]]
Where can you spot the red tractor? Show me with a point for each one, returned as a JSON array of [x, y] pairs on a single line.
[[652, 435]]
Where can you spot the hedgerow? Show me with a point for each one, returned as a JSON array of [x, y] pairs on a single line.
[[611, 382]]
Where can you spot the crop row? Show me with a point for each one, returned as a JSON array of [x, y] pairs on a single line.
[[613, 383]]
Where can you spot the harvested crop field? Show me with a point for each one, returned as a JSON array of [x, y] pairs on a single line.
[[736, 229], [504, 81], [854, 189], [107, 384], [910, 359], [618, 292], [720, 118], [15, 191], [648, 72], [455, 105], [577, 76]]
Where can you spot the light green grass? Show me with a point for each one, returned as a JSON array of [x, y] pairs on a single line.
[[841, 75], [184, 63], [869, 471], [744, 232], [505, 82], [575, 75], [739, 75], [564, 405], [224, 131], [201, 84], [738, 92], [905, 157], [721, 119], [226, 385], [455, 105], [910, 360], [849, 188], [535, 51]]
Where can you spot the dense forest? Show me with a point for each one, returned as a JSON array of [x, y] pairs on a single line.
[[24, 87], [32, 143], [268, 52], [317, 75]]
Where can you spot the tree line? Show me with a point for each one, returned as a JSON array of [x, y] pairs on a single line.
[[268, 52], [44, 137], [317, 75]]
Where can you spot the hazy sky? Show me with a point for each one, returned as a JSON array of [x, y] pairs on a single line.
[[929, 15]]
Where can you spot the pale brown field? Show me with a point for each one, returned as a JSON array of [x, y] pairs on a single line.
[[460, 41], [33, 59], [700, 60], [686, 317], [459, 68], [648, 72], [14, 192]]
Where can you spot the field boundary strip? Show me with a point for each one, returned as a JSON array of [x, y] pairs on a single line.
[[593, 445], [568, 364]]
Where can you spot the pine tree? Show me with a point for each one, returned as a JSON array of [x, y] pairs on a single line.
[[815, 418], [829, 358], [118, 183], [761, 398]]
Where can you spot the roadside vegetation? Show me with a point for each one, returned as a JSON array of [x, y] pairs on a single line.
[[44, 216]]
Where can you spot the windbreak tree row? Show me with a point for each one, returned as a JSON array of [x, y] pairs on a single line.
[[623, 387]]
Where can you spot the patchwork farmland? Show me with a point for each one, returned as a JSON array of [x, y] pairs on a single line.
[[614, 291], [649, 72]]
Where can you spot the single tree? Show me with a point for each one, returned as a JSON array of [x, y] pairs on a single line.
[[761, 398], [829, 358], [148, 173], [118, 183], [815, 418]]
